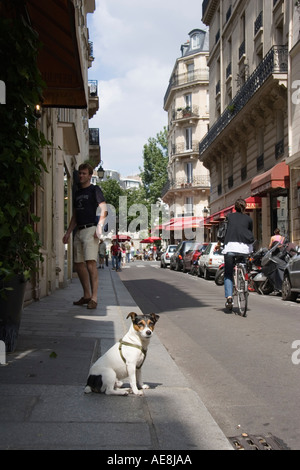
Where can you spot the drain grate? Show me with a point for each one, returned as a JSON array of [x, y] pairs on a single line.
[[250, 442]]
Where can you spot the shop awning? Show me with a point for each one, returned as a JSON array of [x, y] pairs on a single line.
[[58, 60], [182, 223], [276, 177], [252, 202]]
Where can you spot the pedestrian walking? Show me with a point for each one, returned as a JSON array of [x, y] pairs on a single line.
[[102, 253], [276, 238], [115, 251], [87, 199]]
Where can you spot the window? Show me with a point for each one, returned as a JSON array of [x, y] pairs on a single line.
[[189, 172], [195, 41], [188, 138], [188, 209], [190, 72], [188, 101]]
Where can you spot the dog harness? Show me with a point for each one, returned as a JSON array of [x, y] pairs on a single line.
[[123, 343]]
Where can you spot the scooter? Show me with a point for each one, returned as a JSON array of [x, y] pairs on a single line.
[[273, 263]]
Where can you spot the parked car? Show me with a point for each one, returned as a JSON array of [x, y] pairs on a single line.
[[166, 255], [177, 257], [291, 278], [191, 257], [210, 261]]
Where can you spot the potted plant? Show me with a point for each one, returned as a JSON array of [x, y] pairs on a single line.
[[21, 165]]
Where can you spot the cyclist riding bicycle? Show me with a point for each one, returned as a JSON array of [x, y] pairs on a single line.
[[238, 241]]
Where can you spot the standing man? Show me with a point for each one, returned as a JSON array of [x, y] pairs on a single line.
[[87, 200]]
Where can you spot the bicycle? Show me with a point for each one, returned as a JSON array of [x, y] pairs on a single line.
[[240, 283]]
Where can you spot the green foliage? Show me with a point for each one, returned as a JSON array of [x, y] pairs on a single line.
[[154, 175], [21, 161]]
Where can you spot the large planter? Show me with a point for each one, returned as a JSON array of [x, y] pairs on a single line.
[[11, 308]]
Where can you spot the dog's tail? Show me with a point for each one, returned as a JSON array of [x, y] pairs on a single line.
[[94, 384]]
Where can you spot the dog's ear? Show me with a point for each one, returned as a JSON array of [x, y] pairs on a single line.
[[154, 317], [133, 315]]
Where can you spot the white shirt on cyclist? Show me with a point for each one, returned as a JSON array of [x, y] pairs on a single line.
[[236, 247]]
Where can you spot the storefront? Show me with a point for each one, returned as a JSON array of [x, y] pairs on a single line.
[[273, 186]]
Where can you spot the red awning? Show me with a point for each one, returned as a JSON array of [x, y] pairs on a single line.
[[276, 177], [182, 223], [252, 202]]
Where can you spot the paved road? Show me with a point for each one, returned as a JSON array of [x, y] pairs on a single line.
[[241, 367]]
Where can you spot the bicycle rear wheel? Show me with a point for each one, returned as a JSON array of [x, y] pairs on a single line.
[[242, 291]]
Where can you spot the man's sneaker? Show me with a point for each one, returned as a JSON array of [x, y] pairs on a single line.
[[229, 303]]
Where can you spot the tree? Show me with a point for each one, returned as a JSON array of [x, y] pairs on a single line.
[[154, 175]]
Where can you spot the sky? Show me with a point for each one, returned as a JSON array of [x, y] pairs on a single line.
[[135, 45]]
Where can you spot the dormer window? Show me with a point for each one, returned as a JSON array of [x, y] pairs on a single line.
[[195, 41]]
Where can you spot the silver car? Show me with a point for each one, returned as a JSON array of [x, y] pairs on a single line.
[[291, 278], [166, 255], [210, 261]]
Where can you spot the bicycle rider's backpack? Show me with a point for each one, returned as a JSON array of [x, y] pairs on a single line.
[[222, 231]]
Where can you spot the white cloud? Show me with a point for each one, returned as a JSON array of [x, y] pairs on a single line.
[[136, 43]]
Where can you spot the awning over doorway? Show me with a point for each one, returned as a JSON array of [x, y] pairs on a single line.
[[58, 60], [182, 223], [252, 202], [276, 177]]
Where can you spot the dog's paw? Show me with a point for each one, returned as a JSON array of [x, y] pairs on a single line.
[[87, 389], [118, 384], [145, 387]]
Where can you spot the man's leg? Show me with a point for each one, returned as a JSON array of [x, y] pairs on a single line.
[[84, 278], [93, 278]]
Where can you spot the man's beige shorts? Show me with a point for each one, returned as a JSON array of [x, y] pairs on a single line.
[[85, 245]]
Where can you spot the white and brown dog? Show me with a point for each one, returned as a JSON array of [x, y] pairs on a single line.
[[123, 360]]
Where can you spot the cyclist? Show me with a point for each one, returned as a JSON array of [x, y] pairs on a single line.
[[238, 241]]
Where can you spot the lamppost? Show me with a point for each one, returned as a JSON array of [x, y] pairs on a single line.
[[100, 171], [205, 215]]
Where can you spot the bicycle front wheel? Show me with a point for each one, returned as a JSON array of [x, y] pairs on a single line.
[[242, 291]]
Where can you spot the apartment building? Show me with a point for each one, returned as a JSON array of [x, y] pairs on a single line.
[[246, 147], [293, 159], [186, 102], [69, 101]]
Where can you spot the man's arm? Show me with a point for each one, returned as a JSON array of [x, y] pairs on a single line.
[[71, 227], [103, 215]]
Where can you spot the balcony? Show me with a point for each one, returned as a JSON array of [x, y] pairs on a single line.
[[183, 79], [196, 182], [93, 97], [94, 146], [182, 115], [275, 62], [181, 150]]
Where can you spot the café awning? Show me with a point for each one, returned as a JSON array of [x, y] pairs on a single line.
[[58, 60], [276, 177], [182, 223]]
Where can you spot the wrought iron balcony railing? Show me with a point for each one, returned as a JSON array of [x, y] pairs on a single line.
[[188, 77], [200, 181], [189, 111], [182, 149], [275, 61]]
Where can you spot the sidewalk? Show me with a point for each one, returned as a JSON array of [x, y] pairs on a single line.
[[42, 403]]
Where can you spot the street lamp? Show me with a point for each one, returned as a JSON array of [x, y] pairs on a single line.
[[100, 171]]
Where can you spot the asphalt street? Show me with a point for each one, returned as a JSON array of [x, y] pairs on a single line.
[[242, 368]]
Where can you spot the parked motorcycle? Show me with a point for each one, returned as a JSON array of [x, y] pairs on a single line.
[[273, 263]]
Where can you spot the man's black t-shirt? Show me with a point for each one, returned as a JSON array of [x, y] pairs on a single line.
[[86, 203]]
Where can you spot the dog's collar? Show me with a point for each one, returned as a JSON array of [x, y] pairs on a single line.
[[124, 343]]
